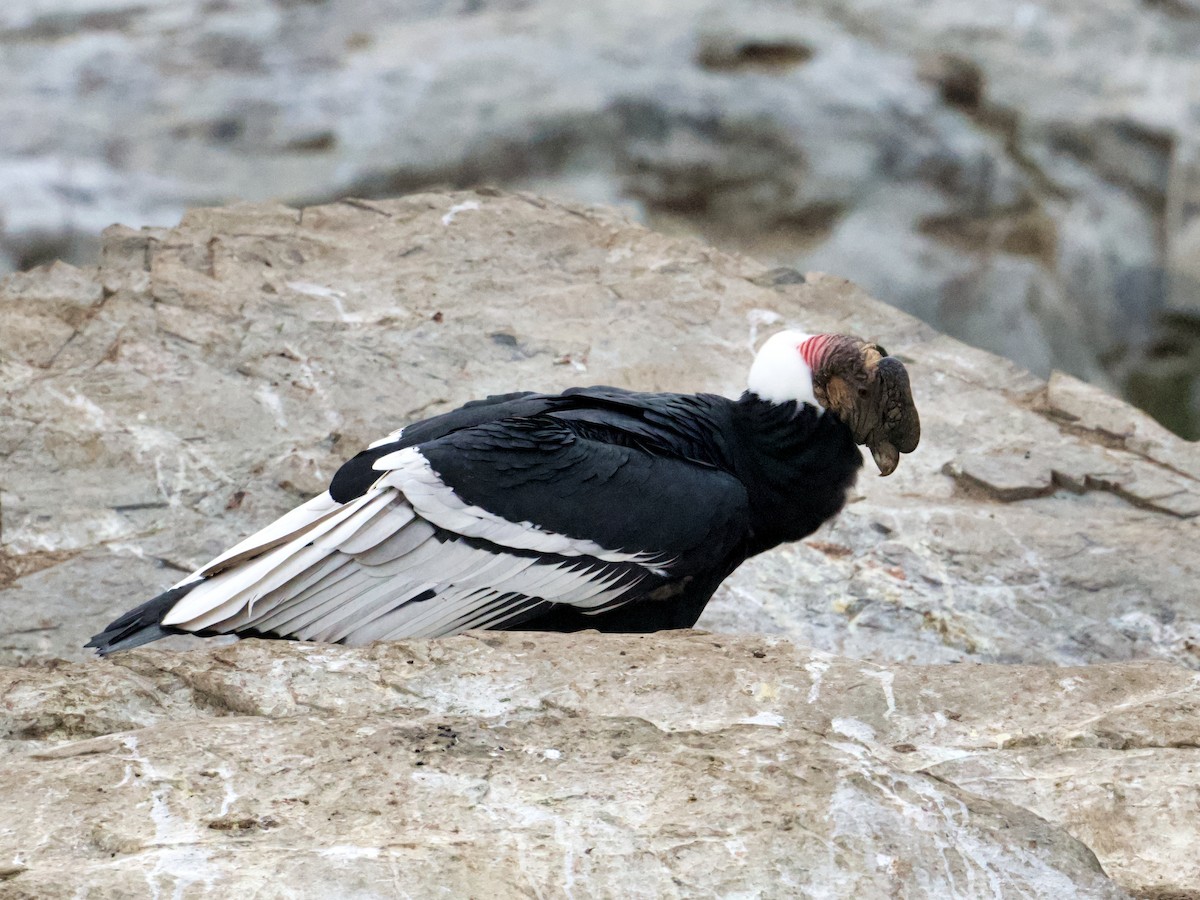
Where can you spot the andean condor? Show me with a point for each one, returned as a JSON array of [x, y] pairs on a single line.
[[594, 508]]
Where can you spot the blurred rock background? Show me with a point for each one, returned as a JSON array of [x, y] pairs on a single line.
[[1023, 175]]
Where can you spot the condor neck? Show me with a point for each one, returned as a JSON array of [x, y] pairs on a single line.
[[797, 461], [777, 428]]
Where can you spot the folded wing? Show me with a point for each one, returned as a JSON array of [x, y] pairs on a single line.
[[486, 527]]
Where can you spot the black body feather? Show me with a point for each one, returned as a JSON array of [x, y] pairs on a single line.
[[700, 482]]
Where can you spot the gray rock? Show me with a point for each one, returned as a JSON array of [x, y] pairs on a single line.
[[677, 764], [204, 379], [1022, 176]]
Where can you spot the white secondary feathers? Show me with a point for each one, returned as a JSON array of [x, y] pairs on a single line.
[[302, 517], [409, 471], [397, 562], [779, 373], [387, 439]]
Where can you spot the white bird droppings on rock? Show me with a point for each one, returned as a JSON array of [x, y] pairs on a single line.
[[458, 208]]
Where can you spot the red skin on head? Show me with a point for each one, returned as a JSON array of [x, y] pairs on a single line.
[[813, 349]]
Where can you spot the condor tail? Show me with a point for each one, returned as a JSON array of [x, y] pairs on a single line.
[[140, 625]]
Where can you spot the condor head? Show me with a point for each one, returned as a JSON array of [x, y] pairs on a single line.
[[868, 390]]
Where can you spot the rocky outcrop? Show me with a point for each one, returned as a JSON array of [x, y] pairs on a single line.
[[1024, 176], [594, 766], [204, 379]]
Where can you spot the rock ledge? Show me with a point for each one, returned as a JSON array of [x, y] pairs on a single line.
[[594, 765]]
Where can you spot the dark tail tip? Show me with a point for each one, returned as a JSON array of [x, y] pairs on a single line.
[[141, 624]]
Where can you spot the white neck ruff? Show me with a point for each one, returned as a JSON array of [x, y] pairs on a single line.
[[779, 373]]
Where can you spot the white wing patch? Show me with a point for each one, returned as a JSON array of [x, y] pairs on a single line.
[[300, 518], [409, 471], [394, 436], [398, 562]]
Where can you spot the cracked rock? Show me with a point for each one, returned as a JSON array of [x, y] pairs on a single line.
[[219, 372], [1004, 476], [676, 764]]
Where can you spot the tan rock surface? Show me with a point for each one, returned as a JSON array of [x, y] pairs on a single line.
[[588, 765], [206, 378], [203, 379]]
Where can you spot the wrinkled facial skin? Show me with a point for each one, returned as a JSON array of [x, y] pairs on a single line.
[[868, 390]]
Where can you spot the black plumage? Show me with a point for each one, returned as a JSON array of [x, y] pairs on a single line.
[[593, 508]]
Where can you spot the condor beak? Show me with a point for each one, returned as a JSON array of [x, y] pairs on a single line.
[[896, 427], [886, 456]]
